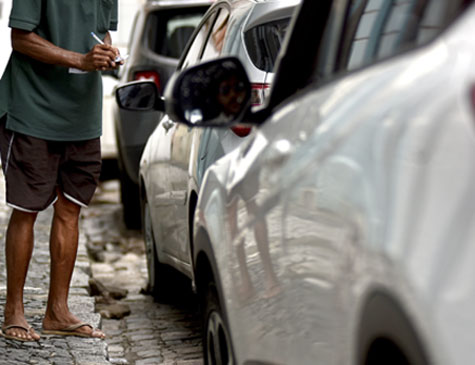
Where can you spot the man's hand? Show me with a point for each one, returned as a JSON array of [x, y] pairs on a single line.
[[100, 58]]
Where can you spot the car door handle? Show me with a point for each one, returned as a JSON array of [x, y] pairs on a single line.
[[167, 125]]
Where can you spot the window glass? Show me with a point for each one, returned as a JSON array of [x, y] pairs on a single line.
[[374, 5], [168, 31], [216, 39], [263, 43], [378, 29], [194, 51], [361, 40], [432, 21], [400, 19]]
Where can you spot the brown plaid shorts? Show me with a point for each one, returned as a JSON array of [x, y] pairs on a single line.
[[35, 168]]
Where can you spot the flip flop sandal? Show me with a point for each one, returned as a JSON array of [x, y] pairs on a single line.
[[72, 331], [17, 338]]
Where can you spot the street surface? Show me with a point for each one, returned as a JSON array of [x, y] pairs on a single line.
[[153, 333]]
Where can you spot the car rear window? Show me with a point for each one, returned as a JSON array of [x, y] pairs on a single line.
[[263, 43], [168, 31]]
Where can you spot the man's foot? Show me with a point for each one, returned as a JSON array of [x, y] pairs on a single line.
[[79, 329], [17, 332], [71, 326]]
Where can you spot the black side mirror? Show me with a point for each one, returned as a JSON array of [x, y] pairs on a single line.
[[212, 94], [139, 96]]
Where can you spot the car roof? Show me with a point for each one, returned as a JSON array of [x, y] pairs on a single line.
[[266, 11]]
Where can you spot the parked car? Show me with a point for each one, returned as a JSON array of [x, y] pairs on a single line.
[[176, 157], [159, 35], [342, 231], [5, 41], [120, 39]]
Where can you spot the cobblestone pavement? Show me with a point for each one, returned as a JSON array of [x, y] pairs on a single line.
[[153, 333], [50, 349]]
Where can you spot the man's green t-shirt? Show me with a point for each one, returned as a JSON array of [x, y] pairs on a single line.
[[52, 102]]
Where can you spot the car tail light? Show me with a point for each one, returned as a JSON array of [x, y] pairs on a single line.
[[259, 93], [241, 130], [148, 75]]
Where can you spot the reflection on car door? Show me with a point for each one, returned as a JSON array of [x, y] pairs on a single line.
[[295, 223]]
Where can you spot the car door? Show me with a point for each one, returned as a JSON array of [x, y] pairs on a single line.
[[167, 166], [185, 142], [298, 208]]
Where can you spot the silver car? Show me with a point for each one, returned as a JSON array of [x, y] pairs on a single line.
[[342, 230], [176, 157], [160, 33]]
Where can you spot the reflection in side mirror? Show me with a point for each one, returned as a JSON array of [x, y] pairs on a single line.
[[138, 96], [216, 93]]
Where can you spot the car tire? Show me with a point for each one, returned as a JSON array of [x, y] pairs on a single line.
[[130, 198], [217, 348], [163, 279]]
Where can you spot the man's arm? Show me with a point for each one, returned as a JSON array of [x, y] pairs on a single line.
[[100, 57]]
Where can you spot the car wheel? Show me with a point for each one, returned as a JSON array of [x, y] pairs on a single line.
[[217, 342], [162, 279], [150, 252], [130, 198]]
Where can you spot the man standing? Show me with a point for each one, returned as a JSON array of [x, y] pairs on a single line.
[[50, 124]]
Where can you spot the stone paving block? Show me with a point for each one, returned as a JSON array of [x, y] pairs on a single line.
[[152, 361], [118, 361], [149, 353], [179, 335], [142, 337]]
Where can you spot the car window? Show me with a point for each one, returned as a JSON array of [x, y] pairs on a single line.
[[215, 43], [168, 31], [378, 29], [194, 52], [263, 43]]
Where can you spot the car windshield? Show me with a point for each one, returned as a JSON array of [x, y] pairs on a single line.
[[168, 31], [263, 43]]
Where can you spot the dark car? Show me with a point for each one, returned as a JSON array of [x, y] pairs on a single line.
[[160, 33]]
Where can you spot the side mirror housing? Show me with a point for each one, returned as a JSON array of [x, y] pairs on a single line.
[[211, 94], [139, 96]]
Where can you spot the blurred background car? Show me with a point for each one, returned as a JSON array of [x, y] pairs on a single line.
[[159, 34], [5, 41], [345, 221], [120, 39], [176, 157]]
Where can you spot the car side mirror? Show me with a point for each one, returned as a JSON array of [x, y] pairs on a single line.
[[139, 96], [212, 94]]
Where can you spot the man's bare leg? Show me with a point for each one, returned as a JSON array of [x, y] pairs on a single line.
[[63, 249], [18, 251]]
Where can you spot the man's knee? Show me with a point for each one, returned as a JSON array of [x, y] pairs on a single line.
[[65, 208], [26, 217]]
